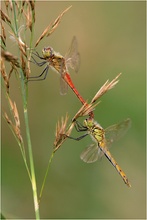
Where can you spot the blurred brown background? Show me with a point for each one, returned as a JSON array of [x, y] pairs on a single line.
[[111, 39]]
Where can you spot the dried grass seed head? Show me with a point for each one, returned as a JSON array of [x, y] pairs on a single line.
[[10, 58], [4, 74], [107, 86], [5, 17], [8, 4], [60, 132], [52, 26]]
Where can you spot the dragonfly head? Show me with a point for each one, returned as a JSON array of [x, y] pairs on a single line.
[[88, 122], [47, 52]]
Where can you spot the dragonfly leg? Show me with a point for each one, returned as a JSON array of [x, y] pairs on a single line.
[[37, 55], [79, 127], [35, 78], [78, 138], [37, 63]]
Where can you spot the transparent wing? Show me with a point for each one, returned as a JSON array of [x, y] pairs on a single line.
[[91, 153], [72, 57], [63, 86], [114, 132]]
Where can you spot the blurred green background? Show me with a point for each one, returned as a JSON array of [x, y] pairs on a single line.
[[111, 39]]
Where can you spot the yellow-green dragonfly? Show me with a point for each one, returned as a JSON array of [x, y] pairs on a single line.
[[103, 138]]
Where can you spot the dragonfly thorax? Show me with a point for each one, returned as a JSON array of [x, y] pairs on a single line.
[[96, 131]]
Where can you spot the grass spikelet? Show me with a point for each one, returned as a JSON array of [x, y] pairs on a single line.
[[5, 17], [3, 36], [85, 110], [60, 131], [107, 86], [10, 58], [8, 4], [15, 127], [51, 27], [4, 74], [7, 118], [57, 21], [32, 4]]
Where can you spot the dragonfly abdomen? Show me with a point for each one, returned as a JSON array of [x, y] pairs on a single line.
[[68, 80], [115, 164]]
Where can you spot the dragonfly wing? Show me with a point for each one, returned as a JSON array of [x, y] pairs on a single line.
[[72, 57], [90, 154], [114, 132], [63, 87]]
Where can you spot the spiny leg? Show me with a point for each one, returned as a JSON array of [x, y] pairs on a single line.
[[37, 55], [37, 63], [79, 127], [78, 138], [35, 78]]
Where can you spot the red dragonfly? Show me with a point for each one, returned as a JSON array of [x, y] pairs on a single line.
[[60, 64]]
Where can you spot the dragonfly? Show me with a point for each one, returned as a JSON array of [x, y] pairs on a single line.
[[103, 138], [60, 64]]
